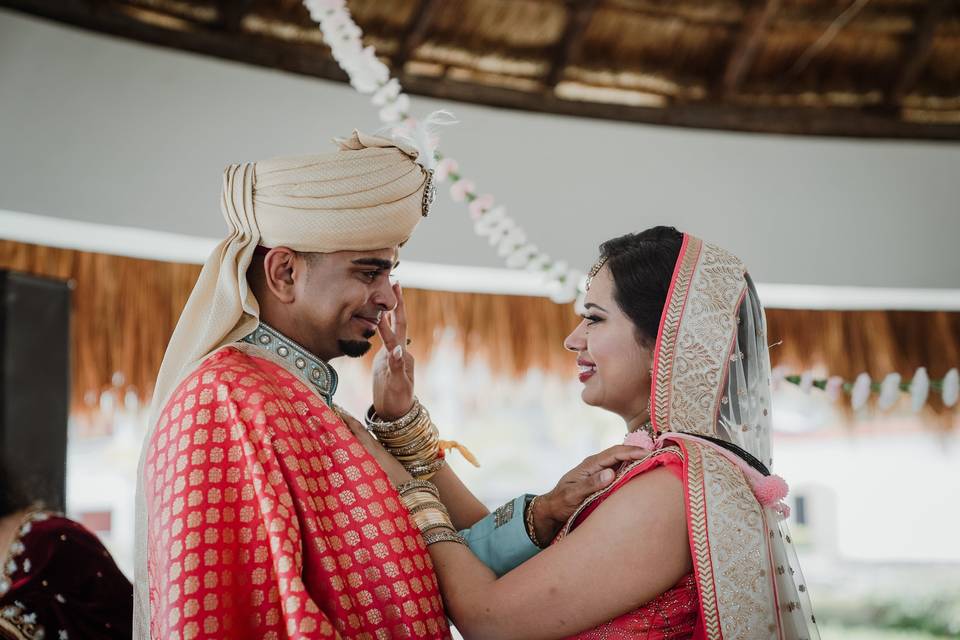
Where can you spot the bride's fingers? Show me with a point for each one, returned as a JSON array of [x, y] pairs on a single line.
[[400, 315], [389, 338]]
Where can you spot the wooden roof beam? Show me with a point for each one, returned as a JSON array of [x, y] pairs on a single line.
[[415, 34], [745, 50], [916, 52], [231, 13], [312, 61], [578, 17]]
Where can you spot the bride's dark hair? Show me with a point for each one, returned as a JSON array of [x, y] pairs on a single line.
[[642, 267]]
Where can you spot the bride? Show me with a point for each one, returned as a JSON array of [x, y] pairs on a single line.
[[687, 542]]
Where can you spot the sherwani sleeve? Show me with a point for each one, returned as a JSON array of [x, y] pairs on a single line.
[[500, 539]]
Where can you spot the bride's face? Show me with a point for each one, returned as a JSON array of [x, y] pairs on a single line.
[[614, 367]]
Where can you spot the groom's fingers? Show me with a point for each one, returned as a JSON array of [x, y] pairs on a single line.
[[612, 457]]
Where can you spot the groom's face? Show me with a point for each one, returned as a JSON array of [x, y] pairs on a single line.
[[342, 298]]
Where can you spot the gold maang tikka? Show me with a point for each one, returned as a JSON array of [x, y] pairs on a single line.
[[594, 270]]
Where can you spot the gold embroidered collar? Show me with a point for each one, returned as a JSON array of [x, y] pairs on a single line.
[[309, 367]]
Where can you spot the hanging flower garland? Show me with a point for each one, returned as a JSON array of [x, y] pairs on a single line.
[[370, 76], [888, 389]]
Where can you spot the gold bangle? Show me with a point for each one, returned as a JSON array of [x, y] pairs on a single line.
[[425, 472], [443, 536], [432, 504], [528, 520], [430, 519], [416, 484], [377, 424], [411, 501]]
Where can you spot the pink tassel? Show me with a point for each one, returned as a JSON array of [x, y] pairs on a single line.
[[770, 490], [640, 439], [782, 509]]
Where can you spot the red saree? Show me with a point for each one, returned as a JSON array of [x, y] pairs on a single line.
[[674, 614]]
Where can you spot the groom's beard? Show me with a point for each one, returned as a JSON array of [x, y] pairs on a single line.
[[356, 348]]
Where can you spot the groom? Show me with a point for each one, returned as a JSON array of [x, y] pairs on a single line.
[[260, 515]]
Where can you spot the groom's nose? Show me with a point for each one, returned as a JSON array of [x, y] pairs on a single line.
[[384, 296]]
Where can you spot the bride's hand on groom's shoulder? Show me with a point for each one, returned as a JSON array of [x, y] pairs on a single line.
[[393, 365], [595, 473]]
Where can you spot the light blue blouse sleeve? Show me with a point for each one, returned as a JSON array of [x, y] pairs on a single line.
[[500, 540]]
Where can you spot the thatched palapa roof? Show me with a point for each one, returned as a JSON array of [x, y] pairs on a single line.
[[872, 68]]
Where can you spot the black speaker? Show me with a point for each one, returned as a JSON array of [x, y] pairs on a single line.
[[35, 385]]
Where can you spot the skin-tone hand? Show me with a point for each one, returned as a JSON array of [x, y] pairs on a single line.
[[552, 510], [393, 384], [393, 365]]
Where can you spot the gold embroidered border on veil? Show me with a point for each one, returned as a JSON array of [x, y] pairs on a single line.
[[702, 386]]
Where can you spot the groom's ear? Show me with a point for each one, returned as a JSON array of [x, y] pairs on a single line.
[[282, 267]]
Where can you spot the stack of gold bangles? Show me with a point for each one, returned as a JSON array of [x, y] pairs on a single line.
[[422, 500], [412, 439]]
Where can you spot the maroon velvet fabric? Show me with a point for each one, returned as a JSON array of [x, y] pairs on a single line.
[[61, 581]]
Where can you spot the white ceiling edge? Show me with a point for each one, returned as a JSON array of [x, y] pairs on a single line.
[[148, 244]]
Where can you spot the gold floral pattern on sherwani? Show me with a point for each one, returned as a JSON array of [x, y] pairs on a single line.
[[268, 518]]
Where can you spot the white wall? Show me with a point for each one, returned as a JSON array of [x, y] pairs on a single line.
[[100, 129]]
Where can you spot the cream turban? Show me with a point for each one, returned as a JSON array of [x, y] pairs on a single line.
[[369, 194]]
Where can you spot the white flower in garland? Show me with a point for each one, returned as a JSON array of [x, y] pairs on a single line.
[[777, 376], [919, 389], [806, 381], [889, 391], [522, 256], [951, 388], [860, 392], [369, 75]]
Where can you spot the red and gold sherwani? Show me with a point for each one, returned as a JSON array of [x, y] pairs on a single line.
[[270, 520]]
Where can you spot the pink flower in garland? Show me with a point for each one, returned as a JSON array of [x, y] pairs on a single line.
[[834, 387], [444, 168], [460, 189], [480, 205]]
